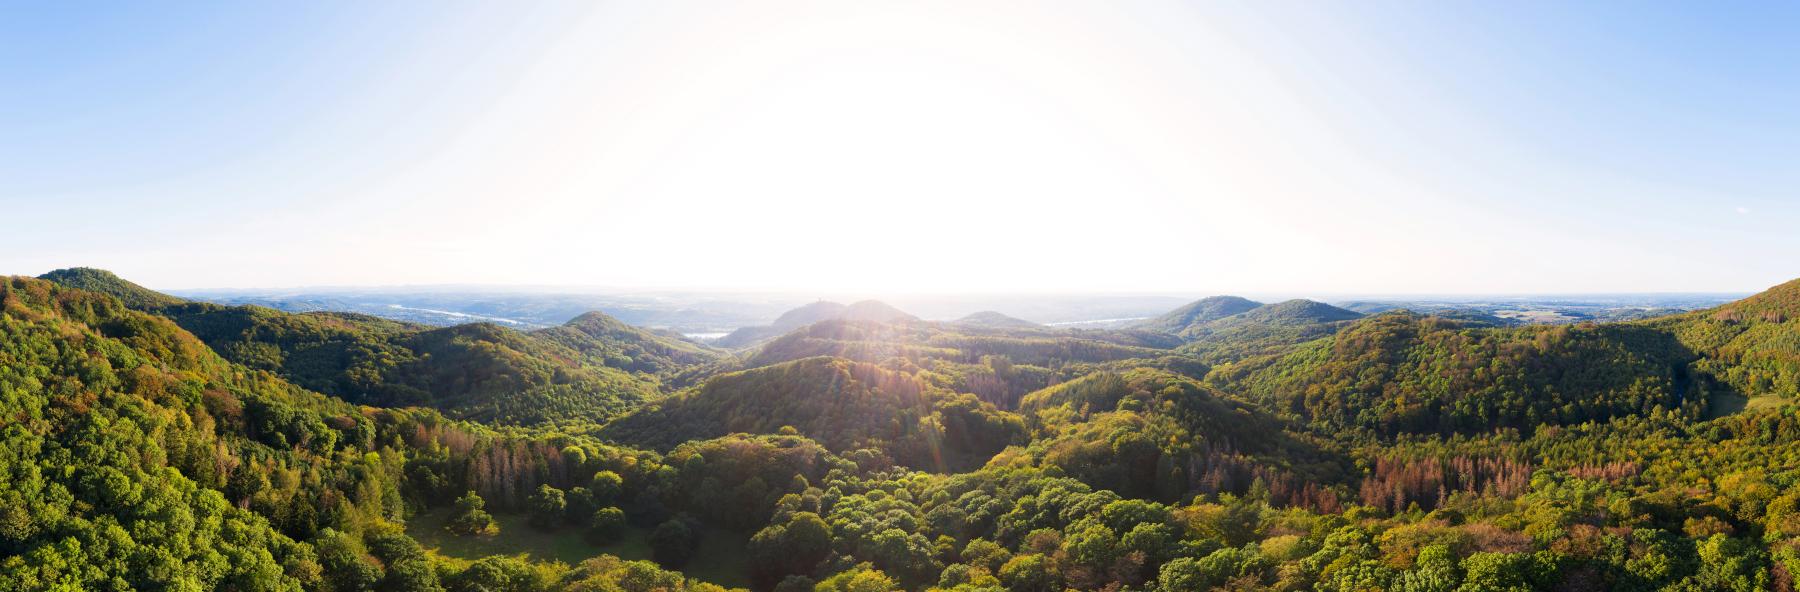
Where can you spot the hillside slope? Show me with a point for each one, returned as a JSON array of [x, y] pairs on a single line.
[[1199, 312], [1150, 433], [105, 282], [122, 431], [592, 368], [998, 365], [866, 310], [1752, 345], [1400, 372], [1266, 329], [841, 403]]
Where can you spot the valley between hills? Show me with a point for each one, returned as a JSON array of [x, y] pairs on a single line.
[[153, 442]]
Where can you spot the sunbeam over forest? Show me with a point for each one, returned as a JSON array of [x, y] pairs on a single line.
[[937, 296]]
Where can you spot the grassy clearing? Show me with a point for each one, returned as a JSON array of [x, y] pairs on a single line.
[[1765, 402], [1723, 404], [721, 559]]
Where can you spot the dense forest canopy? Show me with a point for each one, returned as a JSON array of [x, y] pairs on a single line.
[[148, 443]]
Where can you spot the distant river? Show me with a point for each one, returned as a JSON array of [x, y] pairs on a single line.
[[1096, 321], [460, 315]]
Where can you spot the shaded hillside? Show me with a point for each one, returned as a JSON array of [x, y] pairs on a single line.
[[1264, 330], [843, 404], [1753, 344], [866, 310], [1199, 312], [1405, 373]]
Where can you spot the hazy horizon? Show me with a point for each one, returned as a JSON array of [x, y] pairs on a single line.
[[554, 288]]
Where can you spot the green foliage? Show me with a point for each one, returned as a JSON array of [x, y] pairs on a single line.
[[1404, 373], [1265, 330], [608, 574], [606, 487], [794, 548], [1394, 452], [1752, 346], [101, 281], [1154, 434], [674, 541], [548, 506], [471, 517], [1199, 312], [606, 525], [861, 578], [843, 404], [123, 434], [592, 368]]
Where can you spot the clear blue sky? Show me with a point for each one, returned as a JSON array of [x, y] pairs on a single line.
[[1200, 147]]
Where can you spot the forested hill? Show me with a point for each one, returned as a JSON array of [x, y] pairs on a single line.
[[123, 434], [592, 368], [995, 320], [105, 282], [148, 443], [1199, 312], [1752, 345], [843, 404], [866, 310], [1401, 372], [135, 458], [1264, 330], [610, 342]]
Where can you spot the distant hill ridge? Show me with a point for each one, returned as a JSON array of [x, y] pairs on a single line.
[[1299, 311], [823, 310], [992, 319], [593, 367], [1264, 329], [1199, 312]]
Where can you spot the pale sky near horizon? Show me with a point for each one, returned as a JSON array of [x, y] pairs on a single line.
[[849, 146]]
